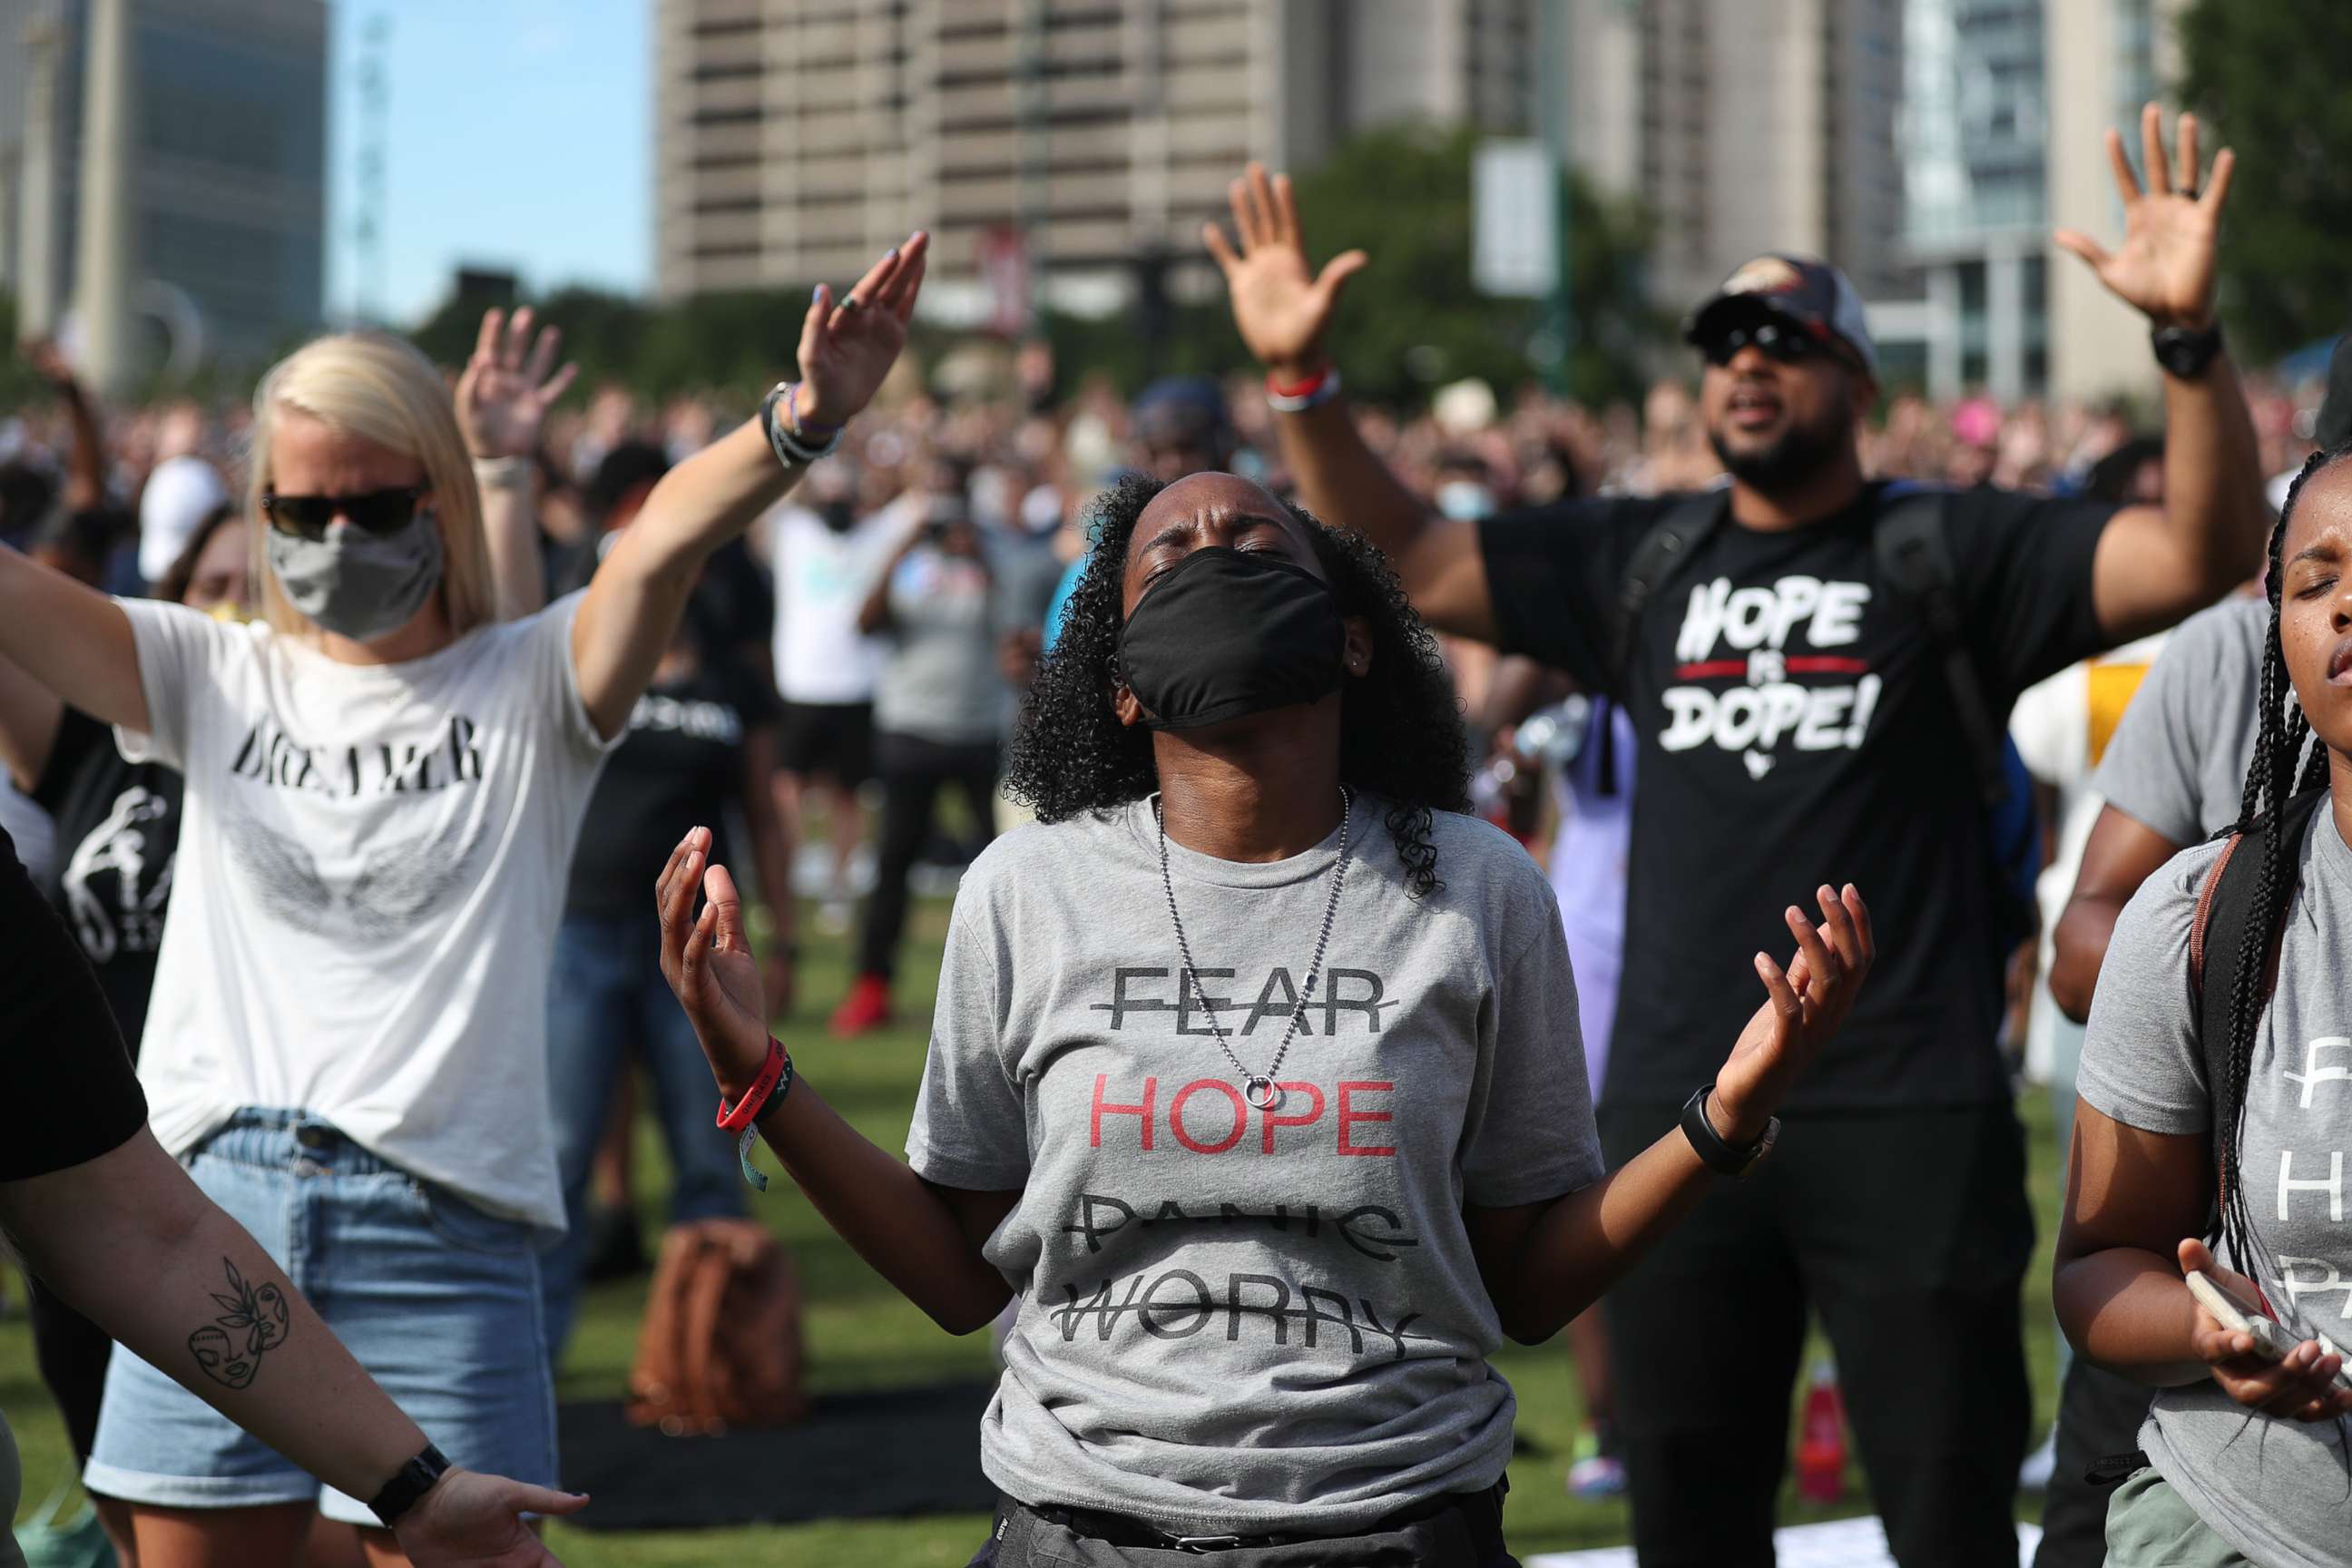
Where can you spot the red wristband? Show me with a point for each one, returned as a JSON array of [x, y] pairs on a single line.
[[1307, 388], [746, 1110]]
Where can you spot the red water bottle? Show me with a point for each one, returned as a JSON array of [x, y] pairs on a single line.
[[1821, 1441]]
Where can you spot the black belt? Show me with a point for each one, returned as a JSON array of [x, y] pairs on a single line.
[[1125, 1529]]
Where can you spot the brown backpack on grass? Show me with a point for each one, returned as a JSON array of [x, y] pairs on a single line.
[[720, 1345]]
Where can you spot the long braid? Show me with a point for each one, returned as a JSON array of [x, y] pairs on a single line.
[[2270, 781]]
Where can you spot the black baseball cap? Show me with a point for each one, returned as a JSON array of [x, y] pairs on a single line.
[[1810, 294]]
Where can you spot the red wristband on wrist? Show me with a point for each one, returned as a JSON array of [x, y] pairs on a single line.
[[1307, 388], [746, 1110]]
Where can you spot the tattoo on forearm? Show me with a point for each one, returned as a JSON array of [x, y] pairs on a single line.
[[253, 1321]]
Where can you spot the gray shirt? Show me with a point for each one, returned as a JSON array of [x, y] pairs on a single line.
[[2178, 762], [2277, 1490], [1236, 1320], [939, 680]]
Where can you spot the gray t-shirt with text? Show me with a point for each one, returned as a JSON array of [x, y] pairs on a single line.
[[2178, 762], [1236, 1320], [939, 680], [2277, 1490]]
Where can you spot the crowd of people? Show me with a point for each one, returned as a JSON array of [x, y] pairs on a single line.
[[388, 750]]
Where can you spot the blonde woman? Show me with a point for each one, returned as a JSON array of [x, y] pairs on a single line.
[[346, 1040]]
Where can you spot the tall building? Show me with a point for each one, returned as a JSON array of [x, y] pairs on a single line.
[[1744, 126], [2105, 59], [200, 167], [1975, 143], [797, 139]]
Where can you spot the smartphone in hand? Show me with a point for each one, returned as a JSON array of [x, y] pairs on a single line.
[[2240, 1313]]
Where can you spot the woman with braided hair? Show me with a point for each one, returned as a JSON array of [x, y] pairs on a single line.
[[2181, 1140], [1254, 1075]]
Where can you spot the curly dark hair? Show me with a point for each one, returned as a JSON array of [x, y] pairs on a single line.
[[1401, 734]]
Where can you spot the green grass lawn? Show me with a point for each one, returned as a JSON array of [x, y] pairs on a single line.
[[861, 1334]]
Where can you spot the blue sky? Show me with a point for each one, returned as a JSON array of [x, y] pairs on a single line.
[[518, 135]]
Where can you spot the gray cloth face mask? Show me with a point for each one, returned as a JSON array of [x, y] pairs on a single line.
[[359, 585]]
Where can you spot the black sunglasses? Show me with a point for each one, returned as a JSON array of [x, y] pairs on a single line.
[[377, 511], [1786, 345]]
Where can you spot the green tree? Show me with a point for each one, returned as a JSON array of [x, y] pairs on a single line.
[[2266, 77], [1412, 319]]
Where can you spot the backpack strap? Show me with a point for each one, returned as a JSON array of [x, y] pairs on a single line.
[[1657, 555], [2224, 925], [1914, 556]]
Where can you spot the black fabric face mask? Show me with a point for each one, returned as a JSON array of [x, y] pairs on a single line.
[[1225, 634]]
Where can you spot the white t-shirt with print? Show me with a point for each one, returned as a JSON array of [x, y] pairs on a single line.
[[822, 581], [371, 873], [2061, 728]]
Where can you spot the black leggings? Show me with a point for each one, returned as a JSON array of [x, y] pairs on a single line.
[[912, 771], [72, 1353]]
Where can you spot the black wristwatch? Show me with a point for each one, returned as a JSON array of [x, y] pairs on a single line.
[[412, 1482], [1724, 1159], [2185, 352]]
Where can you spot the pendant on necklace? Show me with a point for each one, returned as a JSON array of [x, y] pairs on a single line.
[[1257, 1085]]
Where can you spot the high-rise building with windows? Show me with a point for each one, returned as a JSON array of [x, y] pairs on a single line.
[[210, 168], [1744, 126], [2105, 59], [1975, 143], [1052, 146]]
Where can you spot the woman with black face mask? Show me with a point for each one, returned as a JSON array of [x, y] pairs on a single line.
[[346, 1043], [1255, 1073]]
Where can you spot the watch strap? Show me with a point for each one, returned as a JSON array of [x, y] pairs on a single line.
[[2186, 352], [1723, 1158], [410, 1482]]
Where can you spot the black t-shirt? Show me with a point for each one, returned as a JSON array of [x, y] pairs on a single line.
[[682, 765], [1797, 727], [734, 604], [67, 1092], [118, 831]]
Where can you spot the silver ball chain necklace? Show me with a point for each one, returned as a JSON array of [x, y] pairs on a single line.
[[1258, 1089]]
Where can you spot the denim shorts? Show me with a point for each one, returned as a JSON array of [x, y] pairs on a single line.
[[438, 1299]]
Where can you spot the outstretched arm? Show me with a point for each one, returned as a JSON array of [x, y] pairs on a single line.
[[129, 1240], [2121, 853], [638, 594], [72, 639], [1282, 307], [922, 1238], [502, 400], [2156, 565], [1545, 1263]]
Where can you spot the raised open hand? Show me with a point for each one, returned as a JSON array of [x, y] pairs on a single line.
[[709, 964], [1280, 304], [1804, 1008], [847, 348], [510, 384], [2164, 269], [472, 1521]]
